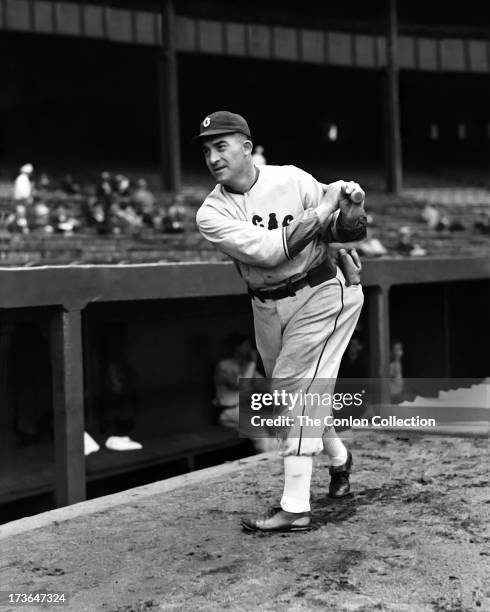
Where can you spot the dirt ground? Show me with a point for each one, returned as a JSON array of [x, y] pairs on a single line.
[[414, 536]]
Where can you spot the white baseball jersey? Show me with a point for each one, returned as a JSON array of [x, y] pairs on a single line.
[[251, 227], [22, 187]]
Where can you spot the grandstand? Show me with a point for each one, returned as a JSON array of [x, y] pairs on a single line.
[[467, 205], [65, 102]]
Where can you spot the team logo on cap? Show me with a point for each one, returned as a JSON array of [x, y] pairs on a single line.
[[206, 122]]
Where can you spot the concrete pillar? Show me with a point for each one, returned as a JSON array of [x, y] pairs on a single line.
[[393, 145], [170, 165], [68, 402], [447, 330], [379, 341]]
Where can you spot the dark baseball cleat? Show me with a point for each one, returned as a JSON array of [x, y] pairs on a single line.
[[278, 520], [339, 478]]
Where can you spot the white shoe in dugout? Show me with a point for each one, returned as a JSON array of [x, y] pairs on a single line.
[[89, 444], [122, 443]]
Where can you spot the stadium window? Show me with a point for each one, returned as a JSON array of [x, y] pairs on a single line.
[[461, 131], [434, 131]]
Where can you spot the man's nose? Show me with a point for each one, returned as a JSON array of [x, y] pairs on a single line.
[[213, 157]]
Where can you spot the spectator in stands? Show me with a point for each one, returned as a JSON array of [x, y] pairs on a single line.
[[372, 245], [241, 363], [69, 186], [104, 186], [126, 219], [44, 183], [396, 372], [258, 156], [406, 246], [160, 217], [354, 362], [87, 212], [440, 220], [176, 217], [63, 221], [482, 224], [41, 216], [121, 186], [444, 223], [17, 221], [23, 188], [98, 217], [143, 202], [430, 215], [105, 200], [4, 215], [119, 398]]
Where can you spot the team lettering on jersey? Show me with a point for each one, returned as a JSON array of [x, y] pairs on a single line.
[[273, 224]]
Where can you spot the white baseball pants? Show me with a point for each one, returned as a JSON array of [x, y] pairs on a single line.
[[301, 340]]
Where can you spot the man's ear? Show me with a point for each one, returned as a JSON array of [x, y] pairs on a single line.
[[248, 146]]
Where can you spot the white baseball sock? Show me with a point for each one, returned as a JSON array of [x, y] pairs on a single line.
[[334, 447], [297, 478]]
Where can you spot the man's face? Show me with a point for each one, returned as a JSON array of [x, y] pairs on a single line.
[[355, 347], [227, 156], [243, 350], [397, 350]]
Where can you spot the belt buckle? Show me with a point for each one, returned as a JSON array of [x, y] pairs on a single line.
[[290, 288]]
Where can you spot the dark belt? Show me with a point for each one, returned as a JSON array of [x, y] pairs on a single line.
[[316, 276]]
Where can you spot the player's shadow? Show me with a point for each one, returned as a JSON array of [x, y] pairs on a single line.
[[328, 510]]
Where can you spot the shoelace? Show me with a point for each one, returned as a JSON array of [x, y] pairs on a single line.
[[271, 512]]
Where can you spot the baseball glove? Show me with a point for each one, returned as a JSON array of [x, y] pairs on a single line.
[[350, 264]]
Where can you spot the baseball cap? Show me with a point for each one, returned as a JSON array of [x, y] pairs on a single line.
[[222, 122]]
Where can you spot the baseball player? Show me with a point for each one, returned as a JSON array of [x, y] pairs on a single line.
[[276, 222]]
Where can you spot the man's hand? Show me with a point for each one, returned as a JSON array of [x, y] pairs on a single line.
[[348, 198], [351, 266], [351, 202], [346, 195], [335, 192]]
